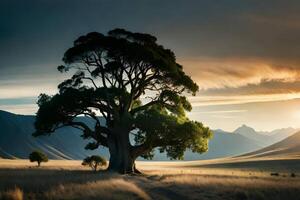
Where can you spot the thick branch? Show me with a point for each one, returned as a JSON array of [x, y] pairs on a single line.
[[100, 138], [144, 107]]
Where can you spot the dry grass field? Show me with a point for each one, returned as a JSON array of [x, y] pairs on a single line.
[[231, 178]]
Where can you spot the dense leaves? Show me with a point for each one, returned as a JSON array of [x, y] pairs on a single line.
[[171, 133], [136, 85], [38, 156], [94, 162]]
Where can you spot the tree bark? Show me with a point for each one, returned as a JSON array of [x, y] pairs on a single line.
[[121, 158]]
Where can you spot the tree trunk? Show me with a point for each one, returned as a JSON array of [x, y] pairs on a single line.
[[95, 168], [121, 159]]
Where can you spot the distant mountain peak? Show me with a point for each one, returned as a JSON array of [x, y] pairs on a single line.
[[219, 130], [245, 130]]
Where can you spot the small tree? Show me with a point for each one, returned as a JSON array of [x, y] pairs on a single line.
[[94, 162], [38, 156]]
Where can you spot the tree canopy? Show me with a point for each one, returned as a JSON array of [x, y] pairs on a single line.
[[94, 162], [38, 156], [137, 86]]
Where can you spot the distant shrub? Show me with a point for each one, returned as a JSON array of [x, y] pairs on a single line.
[[293, 175], [94, 162], [274, 174], [38, 156]]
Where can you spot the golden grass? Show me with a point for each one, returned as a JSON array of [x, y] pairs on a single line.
[[161, 180], [231, 187], [14, 194], [224, 181], [105, 189], [52, 164]]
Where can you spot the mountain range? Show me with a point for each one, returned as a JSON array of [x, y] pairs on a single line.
[[243, 140], [16, 141], [265, 138]]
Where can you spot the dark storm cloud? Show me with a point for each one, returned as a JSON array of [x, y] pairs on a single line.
[[232, 48], [35, 34]]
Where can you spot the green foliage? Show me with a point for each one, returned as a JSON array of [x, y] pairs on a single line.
[[94, 162], [121, 47], [170, 133], [38, 156], [113, 72]]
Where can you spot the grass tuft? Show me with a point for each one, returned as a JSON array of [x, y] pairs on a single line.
[[105, 189], [14, 194]]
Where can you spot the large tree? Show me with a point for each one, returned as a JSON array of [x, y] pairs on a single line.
[[137, 86]]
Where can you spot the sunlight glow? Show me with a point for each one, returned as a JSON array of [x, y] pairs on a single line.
[[227, 100]]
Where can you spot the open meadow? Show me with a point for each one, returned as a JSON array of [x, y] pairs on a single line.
[[229, 178]]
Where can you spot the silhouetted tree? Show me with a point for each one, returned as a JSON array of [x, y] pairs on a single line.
[[136, 85], [38, 156], [94, 162]]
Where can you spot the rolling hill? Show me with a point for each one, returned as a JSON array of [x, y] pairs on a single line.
[[289, 147], [244, 139], [16, 140], [225, 144]]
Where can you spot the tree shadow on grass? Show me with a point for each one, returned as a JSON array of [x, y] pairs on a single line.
[[40, 179]]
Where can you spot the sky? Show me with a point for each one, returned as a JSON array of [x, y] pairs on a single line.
[[244, 55]]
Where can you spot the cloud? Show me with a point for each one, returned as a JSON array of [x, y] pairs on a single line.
[[227, 99], [265, 87], [24, 109], [260, 115], [17, 101], [220, 111], [229, 47], [30, 88], [288, 21], [18, 82], [244, 75]]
